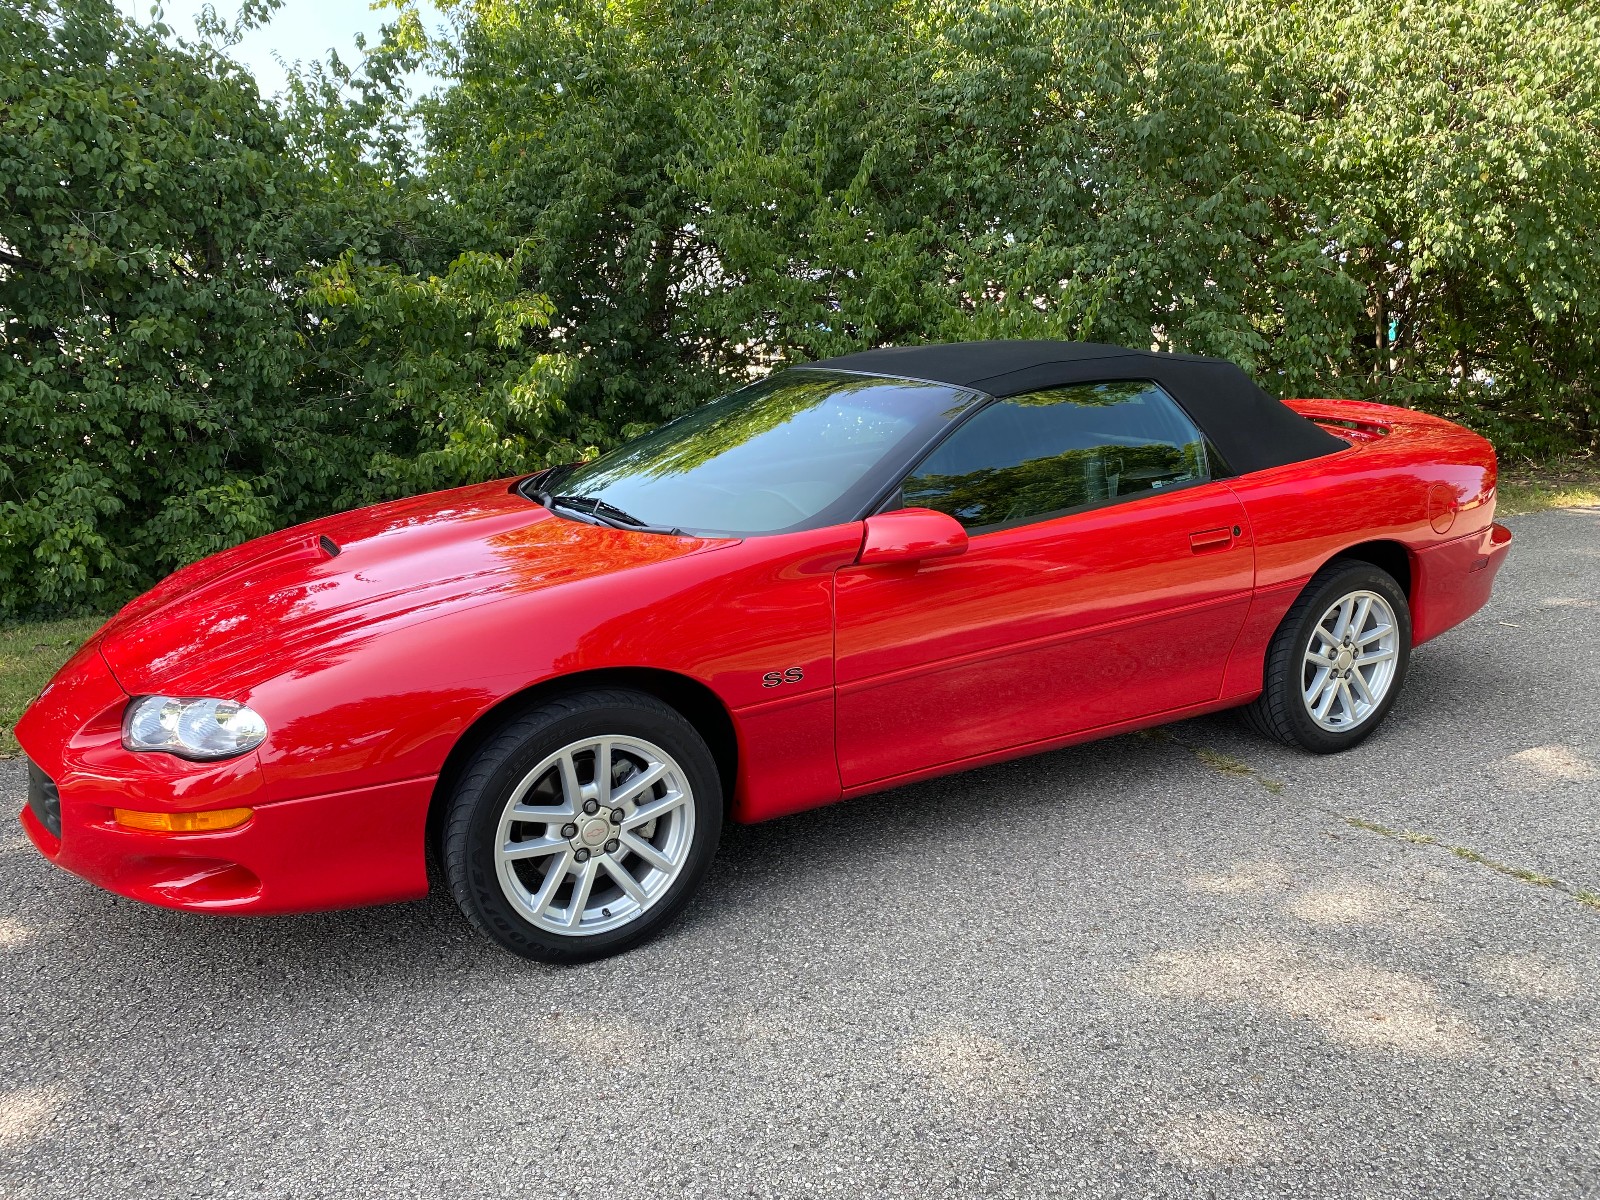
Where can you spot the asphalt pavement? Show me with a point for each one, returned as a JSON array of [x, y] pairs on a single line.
[[1187, 963]]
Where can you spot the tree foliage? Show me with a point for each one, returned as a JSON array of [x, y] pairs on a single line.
[[206, 333], [445, 360], [1451, 152], [1392, 201], [222, 314]]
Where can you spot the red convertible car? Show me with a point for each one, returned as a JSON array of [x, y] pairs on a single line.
[[551, 692]]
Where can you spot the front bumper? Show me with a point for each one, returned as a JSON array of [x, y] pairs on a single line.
[[335, 850], [338, 850]]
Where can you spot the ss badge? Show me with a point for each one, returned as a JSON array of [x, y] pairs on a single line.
[[774, 678]]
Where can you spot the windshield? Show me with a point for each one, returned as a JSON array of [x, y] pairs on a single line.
[[799, 450]]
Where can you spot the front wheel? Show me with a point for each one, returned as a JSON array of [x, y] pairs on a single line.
[[1337, 661], [584, 826]]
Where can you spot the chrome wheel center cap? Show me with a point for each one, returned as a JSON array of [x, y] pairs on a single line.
[[1344, 659], [593, 833]]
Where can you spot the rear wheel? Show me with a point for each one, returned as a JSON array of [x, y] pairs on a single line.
[[584, 826], [1338, 660]]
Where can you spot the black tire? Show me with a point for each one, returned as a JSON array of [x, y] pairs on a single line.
[[471, 829], [1281, 711]]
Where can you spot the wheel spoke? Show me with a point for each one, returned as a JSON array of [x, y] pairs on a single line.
[[602, 771], [645, 851], [542, 814], [1347, 701], [1326, 636], [1318, 684], [624, 879], [550, 885], [1318, 660], [1360, 682], [1374, 634], [572, 790], [649, 812], [1377, 656], [1342, 624], [1328, 693], [534, 848], [580, 892], [1360, 620], [635, 784]]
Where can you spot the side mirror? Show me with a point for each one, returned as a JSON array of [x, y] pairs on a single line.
[[909, 536]]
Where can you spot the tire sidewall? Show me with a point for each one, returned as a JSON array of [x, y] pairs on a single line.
[[1349, 577], [473, 875]]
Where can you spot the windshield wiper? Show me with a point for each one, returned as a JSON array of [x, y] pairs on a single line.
[[602, 513]]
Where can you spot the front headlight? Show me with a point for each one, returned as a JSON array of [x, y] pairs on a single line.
[[192, 727]]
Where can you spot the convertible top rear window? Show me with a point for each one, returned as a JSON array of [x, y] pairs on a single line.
[[798, 450]]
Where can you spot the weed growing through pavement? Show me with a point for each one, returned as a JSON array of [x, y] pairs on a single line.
[[1522, 874]]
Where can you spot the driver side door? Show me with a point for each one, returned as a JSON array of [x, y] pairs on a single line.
[[1106, 578]]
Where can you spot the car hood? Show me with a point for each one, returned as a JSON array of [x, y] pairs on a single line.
[[240, 615]]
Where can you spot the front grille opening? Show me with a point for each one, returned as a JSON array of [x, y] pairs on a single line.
[[44, 800]]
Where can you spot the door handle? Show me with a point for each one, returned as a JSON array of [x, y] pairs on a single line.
[[1212, 539]]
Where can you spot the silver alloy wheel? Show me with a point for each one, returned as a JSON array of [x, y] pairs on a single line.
[[594, 835], [1350, 661]]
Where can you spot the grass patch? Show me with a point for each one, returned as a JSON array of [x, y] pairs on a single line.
[[1559, 483], [31, 652], [1226, 764]]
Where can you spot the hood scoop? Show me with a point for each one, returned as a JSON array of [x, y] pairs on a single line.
[[310, 550], [301, 550]]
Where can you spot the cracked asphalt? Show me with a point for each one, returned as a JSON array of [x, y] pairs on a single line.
[[1161, 965]]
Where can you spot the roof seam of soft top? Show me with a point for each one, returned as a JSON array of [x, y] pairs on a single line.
[[978, 384]]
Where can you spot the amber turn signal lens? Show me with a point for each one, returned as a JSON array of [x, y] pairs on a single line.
[[184, 822]]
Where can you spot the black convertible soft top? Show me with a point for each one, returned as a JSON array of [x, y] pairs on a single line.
[[1251, 429]]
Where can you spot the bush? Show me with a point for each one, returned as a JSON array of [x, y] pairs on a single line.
[[193, 355], [148, 412], [222, 315], [1387, 201]]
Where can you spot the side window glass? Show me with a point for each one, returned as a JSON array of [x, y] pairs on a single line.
[[1041, 455]]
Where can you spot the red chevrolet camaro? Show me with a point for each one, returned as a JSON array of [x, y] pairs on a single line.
[[845, 577]]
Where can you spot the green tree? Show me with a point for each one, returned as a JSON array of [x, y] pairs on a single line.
[[149, 358], [1388, 201], [1450, 153], [221, 317], [446, 361], [716, 188], [223, 314]]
